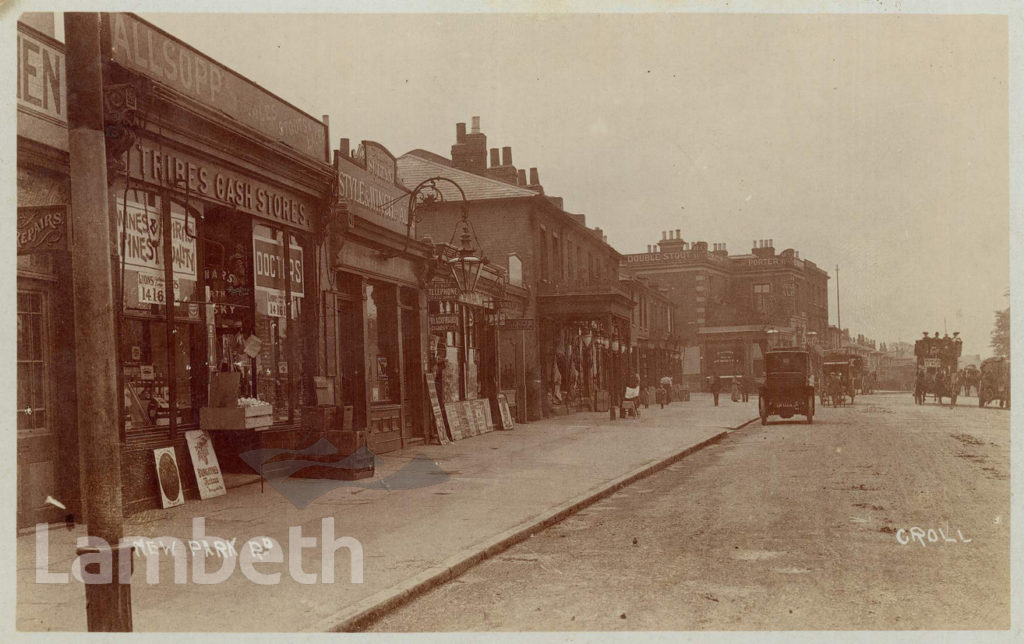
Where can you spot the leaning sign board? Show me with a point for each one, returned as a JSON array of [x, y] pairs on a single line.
[[435, 406], [506, 413], [205, 465], [143, 48]]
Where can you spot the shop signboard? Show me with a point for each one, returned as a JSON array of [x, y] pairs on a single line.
[[42, 229], [370, 191], [205, 465], [441, 322], [442, 288], [143, 48], [176, 169], [518, 324], [41, 76]]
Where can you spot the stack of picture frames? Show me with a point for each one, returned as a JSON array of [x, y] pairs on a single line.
[[462, 419]]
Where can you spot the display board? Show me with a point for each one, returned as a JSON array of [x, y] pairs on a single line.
[[455, 420], [506, 414], [479, 421], [205, 465], [441, 430], [168, 477]]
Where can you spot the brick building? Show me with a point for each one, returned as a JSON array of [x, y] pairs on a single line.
[[581, 311], [731, 308]]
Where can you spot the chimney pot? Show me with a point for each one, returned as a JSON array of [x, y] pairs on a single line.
[[460, 132], [534, 177], [506, 155], [494, 157], [663, 235], [476, 125], [677, 233], [521, 177]]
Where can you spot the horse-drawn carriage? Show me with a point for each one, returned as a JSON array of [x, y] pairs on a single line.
[[936, 367], [842, 372], [994, 382]]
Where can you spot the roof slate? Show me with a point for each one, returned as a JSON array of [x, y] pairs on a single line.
[[414, 168]]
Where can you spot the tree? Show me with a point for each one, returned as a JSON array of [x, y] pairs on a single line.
[[1001, 334]]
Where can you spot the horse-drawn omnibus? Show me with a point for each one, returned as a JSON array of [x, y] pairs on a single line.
[[936, 367]]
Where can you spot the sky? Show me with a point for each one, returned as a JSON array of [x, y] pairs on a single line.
[[875, 143]]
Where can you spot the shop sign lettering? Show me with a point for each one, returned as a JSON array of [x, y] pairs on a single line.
[[176, 169], [42, 228], [141, 47], [152, 291], [143, 242], [763, 261], [519, 324], [680, 257], [268, 257], [443, 322], [276, 306], [371, 197], [41, 76]]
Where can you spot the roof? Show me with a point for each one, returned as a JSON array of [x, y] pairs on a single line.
[[418, 165]]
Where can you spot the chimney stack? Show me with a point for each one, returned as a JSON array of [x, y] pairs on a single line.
[[663, 235], [476, 125], [534, 177], [506, 155], [460, 132], [521, 177], [494, 158], [343, 148], [677, 233]]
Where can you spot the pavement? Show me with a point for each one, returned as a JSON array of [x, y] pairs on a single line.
[[475, 498]]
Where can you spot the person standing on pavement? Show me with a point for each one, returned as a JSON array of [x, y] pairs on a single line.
[[716, 386], [745, 388]]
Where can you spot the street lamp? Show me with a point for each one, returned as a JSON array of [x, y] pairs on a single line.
[[467, 262]]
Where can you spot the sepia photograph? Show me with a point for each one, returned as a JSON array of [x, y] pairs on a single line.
[[677, 318]]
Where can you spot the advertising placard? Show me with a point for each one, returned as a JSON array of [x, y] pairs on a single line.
[[205, 465], [435, 406], [168, 477], [270, 274]]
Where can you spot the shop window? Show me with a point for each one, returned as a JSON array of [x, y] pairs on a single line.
[[33, 342], [382, 342], [161, 371], [277, 276]]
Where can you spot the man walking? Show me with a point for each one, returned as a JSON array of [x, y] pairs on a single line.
[[716, 386]]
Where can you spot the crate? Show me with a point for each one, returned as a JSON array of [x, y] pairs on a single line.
[[319, 419], [254, 417]]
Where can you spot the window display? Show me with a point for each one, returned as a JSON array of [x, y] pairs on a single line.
[[382, 342]]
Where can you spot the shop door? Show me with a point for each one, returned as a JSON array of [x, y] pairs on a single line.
[[349, 335], [38, 439], [412, 374]]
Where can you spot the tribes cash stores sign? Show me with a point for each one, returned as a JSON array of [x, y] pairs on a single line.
[[145, 49]]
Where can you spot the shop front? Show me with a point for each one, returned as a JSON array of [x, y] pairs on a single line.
[[216, 244], [375, 350]]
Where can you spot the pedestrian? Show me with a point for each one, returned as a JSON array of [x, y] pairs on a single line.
[[745, 388], [716, 386], [735, 387]]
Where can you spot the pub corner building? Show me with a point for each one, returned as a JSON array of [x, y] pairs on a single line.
[[247, 265]]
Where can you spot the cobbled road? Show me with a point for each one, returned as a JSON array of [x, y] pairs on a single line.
[[880, 515]]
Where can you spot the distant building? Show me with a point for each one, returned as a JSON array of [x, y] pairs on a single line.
[[732, 308]]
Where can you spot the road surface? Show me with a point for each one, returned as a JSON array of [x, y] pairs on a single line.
[[880, 515]]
